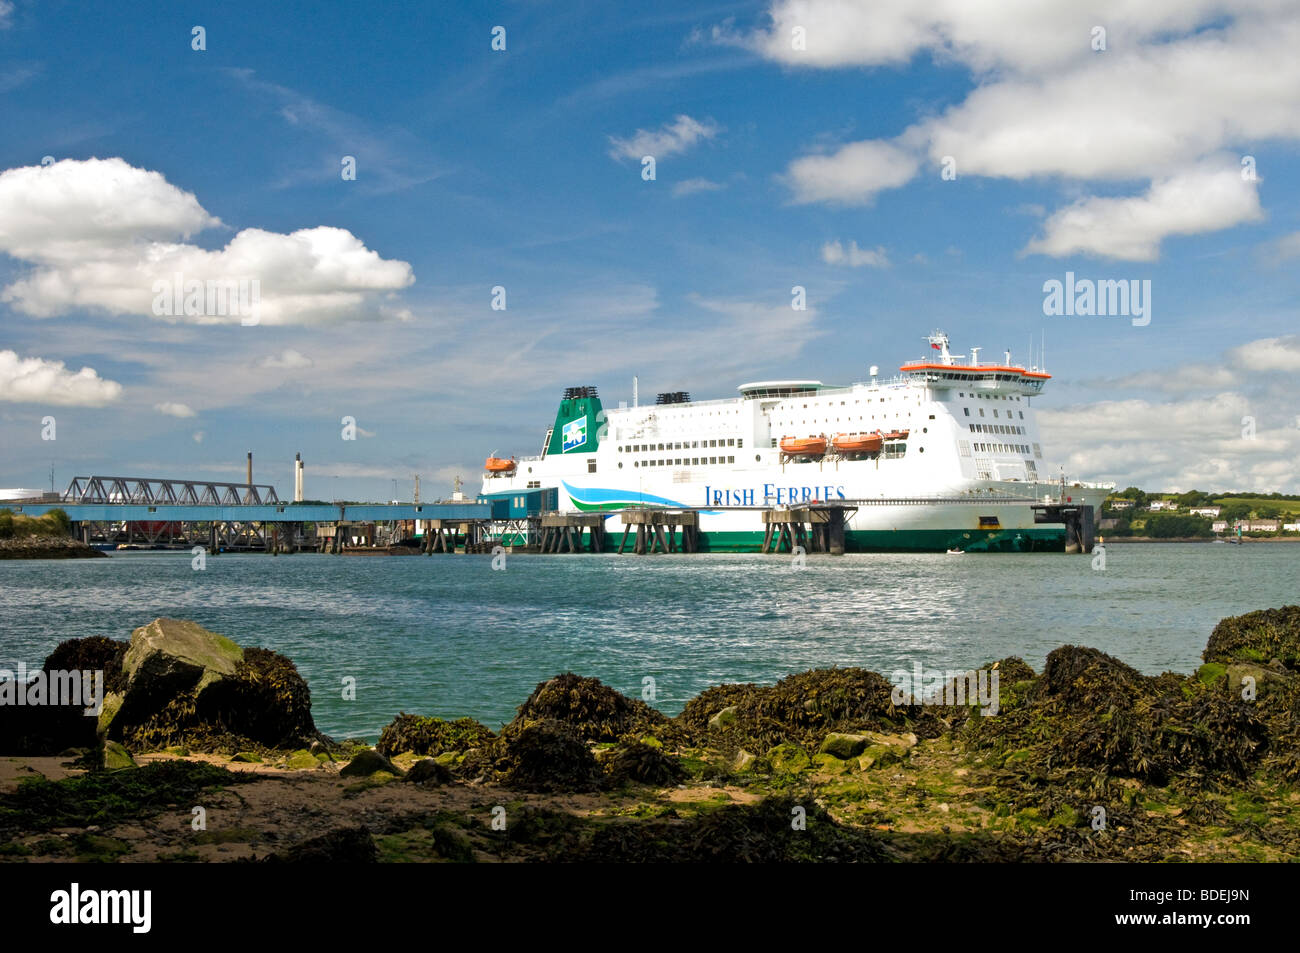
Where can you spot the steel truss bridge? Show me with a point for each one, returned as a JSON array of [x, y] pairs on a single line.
[[152, 511]]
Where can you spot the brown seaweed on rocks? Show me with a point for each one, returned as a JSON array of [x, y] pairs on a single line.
[[266, 703], [1090, 710], [543, 755], [779, 829], [801, 709], [1257, 637], [591, 709], [418, 735], [644, 764]]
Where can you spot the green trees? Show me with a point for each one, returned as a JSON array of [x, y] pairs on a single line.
[[1171, 525]]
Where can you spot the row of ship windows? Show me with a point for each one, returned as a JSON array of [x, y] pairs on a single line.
[[996, 428], [682, 445], [845, 403], [683, 462], [1001, 448], [995, 413], [991, 396], [826, 420]]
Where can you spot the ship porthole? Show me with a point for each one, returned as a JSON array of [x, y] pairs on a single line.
[[530, 469], [920, 449], [758, 457], [620, 466]]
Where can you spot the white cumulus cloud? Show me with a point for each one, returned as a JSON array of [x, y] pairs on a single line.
[[102, 234], [1179, 83], [33, 380], [1133, 227], [172, 409], [853, 174]]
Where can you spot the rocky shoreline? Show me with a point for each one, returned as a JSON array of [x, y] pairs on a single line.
[[47, 547], [1087, 760]]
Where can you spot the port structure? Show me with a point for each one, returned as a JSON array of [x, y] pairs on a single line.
[[154, 511]]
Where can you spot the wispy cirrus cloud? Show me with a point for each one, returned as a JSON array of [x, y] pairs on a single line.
[[670, 139], [387, 159], [834, 253], [692, 186]]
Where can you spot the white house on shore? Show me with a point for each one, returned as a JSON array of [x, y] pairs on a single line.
[[1158, 505], [1211, 511]]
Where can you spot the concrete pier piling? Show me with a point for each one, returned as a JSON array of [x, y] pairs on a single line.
[[816, 529], [657, 531]]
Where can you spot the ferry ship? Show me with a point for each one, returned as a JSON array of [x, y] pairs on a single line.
[[945, 456]]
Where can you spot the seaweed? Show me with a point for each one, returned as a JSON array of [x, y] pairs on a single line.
[[110, 797], [592, 710], [414, 734]]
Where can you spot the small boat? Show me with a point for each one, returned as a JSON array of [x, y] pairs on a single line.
[[858, 442], [956, 552], [804, 446], [499, 465], [897, 435]]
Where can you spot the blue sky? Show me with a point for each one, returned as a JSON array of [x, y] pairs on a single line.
[[776, 166]]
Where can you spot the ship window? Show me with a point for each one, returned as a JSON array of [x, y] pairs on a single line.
[[731, 459], [758, 457], [620, 464], [591, 466], [1022, 415], [695, 461], [932, 416], [981, 411], [995, 413], [740, 441], [636, 463]]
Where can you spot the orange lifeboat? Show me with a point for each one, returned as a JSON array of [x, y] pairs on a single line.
[[803, 446], [897, 435], [858, 442], [498, 465]]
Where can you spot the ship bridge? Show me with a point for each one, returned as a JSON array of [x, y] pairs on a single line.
[[945, 371]]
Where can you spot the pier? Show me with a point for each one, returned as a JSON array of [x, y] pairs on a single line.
[[817, 528], [248, 517]]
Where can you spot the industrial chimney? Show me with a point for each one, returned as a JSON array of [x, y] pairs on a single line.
[[249, 480], [297, 477]]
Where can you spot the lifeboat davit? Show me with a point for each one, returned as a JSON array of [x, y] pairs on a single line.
[[498, 465], [897, 435], [858, 442], [803, 446]]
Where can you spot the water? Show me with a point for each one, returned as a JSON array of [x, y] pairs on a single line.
[[448, 636]]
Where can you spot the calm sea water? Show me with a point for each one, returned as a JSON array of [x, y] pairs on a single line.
[[448, 636]]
